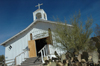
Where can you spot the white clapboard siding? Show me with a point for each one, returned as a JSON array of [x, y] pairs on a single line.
[[21, 42]]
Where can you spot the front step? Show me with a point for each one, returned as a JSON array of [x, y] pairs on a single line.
[[30, 62]]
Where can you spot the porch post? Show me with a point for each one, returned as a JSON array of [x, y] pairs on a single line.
[[42, 57], [44, 51], [50, 36]]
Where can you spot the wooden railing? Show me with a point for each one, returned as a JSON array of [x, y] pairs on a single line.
[[14, 60], [44, 52], [18, 56], [10, 61]]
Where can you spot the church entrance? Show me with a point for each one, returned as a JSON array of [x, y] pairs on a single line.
[[40, 43], [36, 45]]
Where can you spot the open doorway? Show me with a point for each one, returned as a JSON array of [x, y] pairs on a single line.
[[40, 43]]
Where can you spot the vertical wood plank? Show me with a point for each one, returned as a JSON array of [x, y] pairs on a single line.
[[42, 57], [31, 36], [44, 51], [50, 36]]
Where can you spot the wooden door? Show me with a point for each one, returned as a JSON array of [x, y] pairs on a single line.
[[32, 47]]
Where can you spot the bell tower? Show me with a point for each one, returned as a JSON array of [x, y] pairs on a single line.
[[39, 13]]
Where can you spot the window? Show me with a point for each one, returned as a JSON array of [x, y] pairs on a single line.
[[38, 16], [10, 47]]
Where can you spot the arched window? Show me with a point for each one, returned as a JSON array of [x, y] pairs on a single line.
[[38, 16]]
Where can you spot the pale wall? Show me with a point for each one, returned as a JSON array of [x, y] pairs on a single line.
[[21, 42]]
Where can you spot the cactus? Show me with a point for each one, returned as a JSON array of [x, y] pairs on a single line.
[[59, 64], [63, 57], [53, 64], [95, 57]]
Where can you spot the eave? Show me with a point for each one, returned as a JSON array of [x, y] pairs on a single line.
[[38, 20]]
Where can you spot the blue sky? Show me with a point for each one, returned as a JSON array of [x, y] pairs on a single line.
[[16, 15]]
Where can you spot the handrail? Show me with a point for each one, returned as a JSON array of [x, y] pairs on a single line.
[[40, 52], [14, 58], [3, 62], [19, 55], [42, 49], [9, 59], [10, 62], [43, 52]]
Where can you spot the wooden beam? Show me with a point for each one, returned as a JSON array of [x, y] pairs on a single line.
[[30, 36], [50, 36]]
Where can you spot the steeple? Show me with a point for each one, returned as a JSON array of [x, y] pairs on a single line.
[[39, 13]]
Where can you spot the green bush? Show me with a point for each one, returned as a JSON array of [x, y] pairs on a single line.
[[1, 58]]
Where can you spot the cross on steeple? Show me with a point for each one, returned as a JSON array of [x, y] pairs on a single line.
[[39, 5]]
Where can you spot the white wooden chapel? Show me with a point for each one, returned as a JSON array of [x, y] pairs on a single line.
[[36, 38]]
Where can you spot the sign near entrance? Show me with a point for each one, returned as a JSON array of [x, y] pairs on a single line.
[[40, 35]]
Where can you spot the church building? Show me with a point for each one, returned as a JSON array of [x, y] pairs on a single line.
[[35, 40]]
